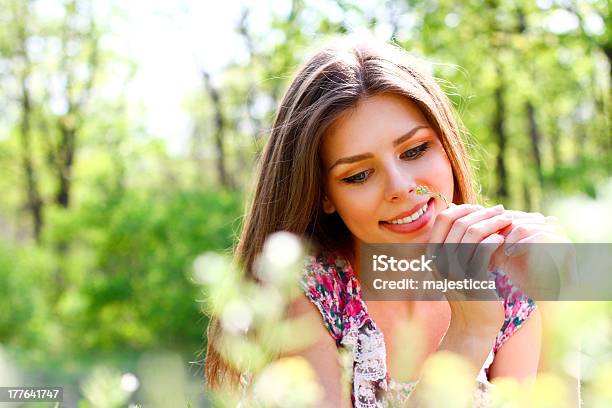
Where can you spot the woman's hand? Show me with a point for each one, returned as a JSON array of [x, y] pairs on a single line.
[[470, 224], [540, 270]]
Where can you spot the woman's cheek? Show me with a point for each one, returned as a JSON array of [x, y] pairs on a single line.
[[358, 205], [367, 198]]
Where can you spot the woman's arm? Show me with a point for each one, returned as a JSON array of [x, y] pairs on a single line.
[[322, 354], [473, 345], [519, 356], [474, 324]]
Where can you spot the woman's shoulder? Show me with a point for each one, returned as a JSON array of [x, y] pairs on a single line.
[[327, 263], [323, 281], [328, 280], [327, 273]]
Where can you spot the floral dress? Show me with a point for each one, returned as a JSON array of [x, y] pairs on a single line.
[[330, 283]]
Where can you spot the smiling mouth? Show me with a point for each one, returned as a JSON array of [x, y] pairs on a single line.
[[412, 217]]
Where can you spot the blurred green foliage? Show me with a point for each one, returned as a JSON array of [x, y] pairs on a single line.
[[124, 283]]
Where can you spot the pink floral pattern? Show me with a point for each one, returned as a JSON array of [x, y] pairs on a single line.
[[330, 283], [517, 305]]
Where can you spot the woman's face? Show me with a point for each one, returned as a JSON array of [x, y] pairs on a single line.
[[375, 156]]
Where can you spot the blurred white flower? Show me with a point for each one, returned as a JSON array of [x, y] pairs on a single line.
[[8, 371], [281, 253], [268, 302], [236, 316], [209, 268], [288, 382], [129, 382], [282, 249], [102, 388]]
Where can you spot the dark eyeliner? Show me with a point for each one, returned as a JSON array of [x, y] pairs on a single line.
[[355, 180], [418, 151]]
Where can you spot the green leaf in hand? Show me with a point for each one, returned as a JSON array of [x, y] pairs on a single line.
[[424, 190]]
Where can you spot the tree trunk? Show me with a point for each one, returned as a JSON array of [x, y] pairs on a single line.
[[69, 125], [528, 202], [554, 145], [219, 131], [67, 150], [534, 134], [608, 51], [34, 202], [498, 128]]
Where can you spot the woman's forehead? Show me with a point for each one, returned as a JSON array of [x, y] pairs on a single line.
[[374, 120]]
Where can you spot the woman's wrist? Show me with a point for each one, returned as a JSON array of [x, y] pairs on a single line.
[[477, 318], [473, 344]]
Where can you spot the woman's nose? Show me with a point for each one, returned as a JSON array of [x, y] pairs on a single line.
[[399, 185]]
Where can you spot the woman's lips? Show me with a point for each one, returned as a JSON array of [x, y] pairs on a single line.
[[413, 225]]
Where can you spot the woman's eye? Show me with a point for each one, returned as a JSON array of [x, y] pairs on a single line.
[[358, 178], [415, 152]]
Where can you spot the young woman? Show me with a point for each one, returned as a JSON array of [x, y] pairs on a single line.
[[360, 127]]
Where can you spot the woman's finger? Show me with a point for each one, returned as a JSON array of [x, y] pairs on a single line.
[[524, 230], [520, 221], [522, 214], [446, 218], [479, 264], [521, 246], [461, 224], [477, 232], [549, 269]]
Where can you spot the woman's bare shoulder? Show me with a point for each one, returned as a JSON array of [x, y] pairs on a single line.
[[302, 309], [320, 350], [519, 356]]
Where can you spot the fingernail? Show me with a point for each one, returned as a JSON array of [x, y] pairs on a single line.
[[498, 207], [510, 250]]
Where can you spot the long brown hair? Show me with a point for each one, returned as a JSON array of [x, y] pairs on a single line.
[[289, 188]]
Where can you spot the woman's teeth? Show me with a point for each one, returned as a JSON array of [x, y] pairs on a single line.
[[410, 218]]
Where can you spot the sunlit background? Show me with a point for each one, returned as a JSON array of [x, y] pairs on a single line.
[[128, 136]]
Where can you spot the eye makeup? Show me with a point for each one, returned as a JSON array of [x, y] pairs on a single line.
[[415, 152], [410, 154]]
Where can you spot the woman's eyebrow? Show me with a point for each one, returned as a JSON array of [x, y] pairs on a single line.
[[352, 159], [408, 135], [363, 156]]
